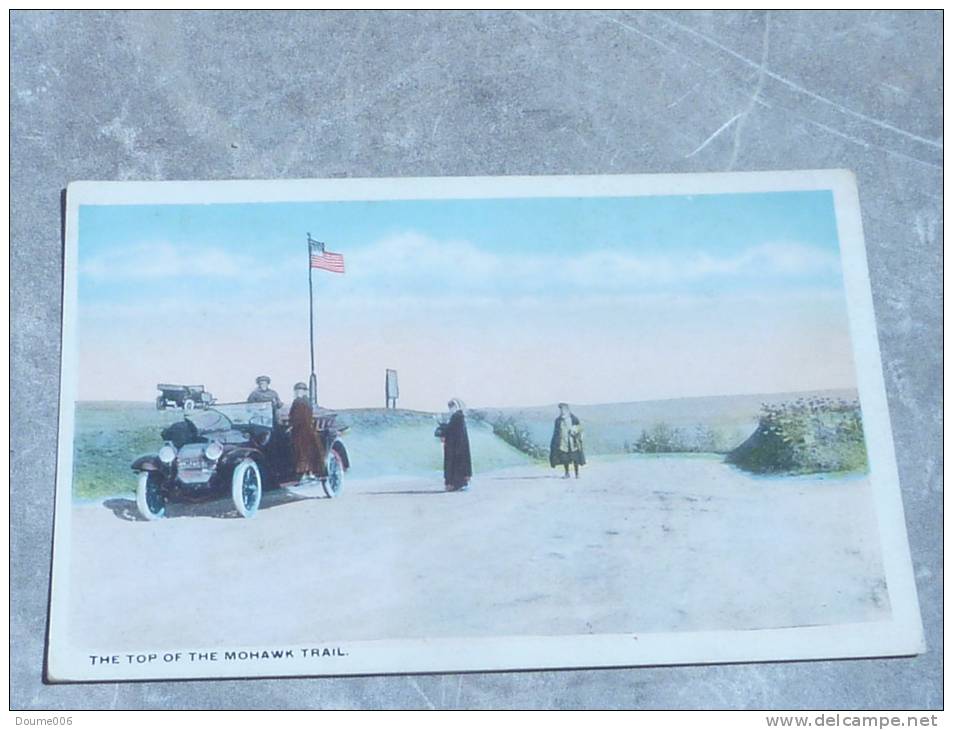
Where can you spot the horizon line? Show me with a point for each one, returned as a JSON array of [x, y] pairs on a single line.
[[540, 405]]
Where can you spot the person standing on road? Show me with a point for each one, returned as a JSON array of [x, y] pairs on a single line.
[[565, 448], [309, 450], [457, 466]]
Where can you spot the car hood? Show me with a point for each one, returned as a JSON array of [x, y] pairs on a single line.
[[232, 436]]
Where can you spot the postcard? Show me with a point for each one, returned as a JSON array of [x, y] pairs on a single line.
[[328, 427]]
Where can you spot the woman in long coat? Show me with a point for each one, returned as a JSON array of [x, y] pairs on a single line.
[[308, 447], [565, 448], [457, 467]]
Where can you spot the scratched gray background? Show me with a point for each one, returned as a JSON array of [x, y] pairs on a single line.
[[147, 96]]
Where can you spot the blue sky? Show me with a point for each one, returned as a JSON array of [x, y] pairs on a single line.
[[488, 296]]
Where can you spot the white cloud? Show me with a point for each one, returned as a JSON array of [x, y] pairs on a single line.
[[787, 258], [159, 260], [608, 267], [412, 259], [414, 266], [412, 252]]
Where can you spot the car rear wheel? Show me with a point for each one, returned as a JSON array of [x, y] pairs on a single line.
[[246, 488], [334, 482], [149, 497], [160, 403], [189, 404]]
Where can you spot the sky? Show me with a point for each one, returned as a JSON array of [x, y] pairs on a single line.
[[500, 302]]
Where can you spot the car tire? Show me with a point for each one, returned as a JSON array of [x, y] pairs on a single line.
[[246, 488], [160, 403], [334, 482], [149, 499], [189, 404]]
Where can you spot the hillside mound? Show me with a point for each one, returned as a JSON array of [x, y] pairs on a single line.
[[398, 442], [805, 436]]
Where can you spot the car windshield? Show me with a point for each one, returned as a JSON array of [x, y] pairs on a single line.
[[225, 416]]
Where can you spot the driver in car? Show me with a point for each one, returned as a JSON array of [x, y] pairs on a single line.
[[264, 394]]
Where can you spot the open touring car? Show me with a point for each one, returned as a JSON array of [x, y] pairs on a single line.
[[234, 449], [185, 397]]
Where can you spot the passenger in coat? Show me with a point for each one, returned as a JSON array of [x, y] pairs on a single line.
[[457, 467], [308, 447], [565, 448]]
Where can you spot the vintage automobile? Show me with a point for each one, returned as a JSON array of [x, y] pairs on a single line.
[[234, 449], [185, 397]]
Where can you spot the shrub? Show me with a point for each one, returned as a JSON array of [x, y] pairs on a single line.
[[805, 436], [518, 436], [661, 438]]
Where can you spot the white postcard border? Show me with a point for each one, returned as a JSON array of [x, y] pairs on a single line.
[[901, 635]]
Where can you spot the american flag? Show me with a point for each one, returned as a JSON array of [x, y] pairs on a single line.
[[327, 260]]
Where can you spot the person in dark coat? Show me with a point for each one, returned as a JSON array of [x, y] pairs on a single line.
[[457, 467], [264, 394], [308, 447], [565, 448]]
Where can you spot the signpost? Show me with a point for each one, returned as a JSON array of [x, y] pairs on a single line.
[[391, 391]]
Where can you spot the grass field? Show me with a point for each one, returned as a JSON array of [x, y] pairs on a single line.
[[108, 437]]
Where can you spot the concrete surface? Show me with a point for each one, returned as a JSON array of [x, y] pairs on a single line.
[[155, 96]]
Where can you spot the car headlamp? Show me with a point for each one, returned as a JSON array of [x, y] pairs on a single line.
[[213, 451], [167, 454]]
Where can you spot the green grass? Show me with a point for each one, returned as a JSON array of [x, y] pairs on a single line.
[[108, 438]]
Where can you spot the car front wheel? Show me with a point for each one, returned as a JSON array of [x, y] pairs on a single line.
[[246, 488], [334, 482], [149, 497]]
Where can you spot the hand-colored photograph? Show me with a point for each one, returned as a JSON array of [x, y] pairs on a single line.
[[471, 424]]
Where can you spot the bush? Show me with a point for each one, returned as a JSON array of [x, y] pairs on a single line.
[[803, 437], [516, 434], [661, 438]]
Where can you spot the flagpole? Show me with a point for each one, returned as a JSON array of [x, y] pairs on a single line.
[[313, 381]]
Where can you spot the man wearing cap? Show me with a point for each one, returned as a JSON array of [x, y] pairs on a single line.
[[264, 394], [308, 446], [566, 445]]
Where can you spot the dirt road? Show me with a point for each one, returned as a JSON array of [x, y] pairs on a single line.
[[638, 544]]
